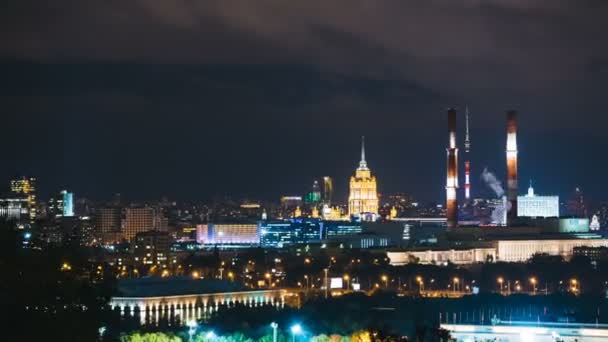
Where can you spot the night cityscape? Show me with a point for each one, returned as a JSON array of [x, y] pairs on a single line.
[[234, 171]]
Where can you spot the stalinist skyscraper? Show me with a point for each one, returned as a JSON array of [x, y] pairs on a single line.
[[363, 197]]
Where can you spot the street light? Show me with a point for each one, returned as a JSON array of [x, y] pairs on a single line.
[[533, 282], [500, 280], [420, 282], [346, 278], [575, 286], [296, 329], [456, 281], [274, 326], [385, 280]]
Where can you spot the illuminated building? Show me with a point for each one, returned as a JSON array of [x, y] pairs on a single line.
[[297, 213], [315, 213], [393, 213], [315, 195], [68, 203], [532, 205], [108, 220], [363, 197], [26, 187], [228, 234], [576, 204], [142, 219], [278, 234], [151, 248], [333, 214], [14, 209], [328, 190], [334, 229], [62, 205]]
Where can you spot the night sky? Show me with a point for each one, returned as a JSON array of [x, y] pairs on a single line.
[[194, 99]]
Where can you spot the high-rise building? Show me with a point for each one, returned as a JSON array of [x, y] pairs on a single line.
[[138, 220], [576, 204], [532, 205], [61, 205], [152, 248], [328, 190], [108, 220], [26, 187], [315, 195], [363, 196]]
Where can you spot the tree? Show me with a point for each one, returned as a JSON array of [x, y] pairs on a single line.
[[361, 336]]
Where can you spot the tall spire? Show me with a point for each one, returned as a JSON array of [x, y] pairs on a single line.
[[363, 163]]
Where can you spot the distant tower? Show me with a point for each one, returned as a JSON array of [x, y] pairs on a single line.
[[363, 196], [452, 172], [328, 189], [467, 163], [511, 166]]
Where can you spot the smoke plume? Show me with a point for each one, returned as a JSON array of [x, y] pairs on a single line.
[[490, 179]]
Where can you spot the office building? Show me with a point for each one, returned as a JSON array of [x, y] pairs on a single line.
[[138, 220], [151, 248], [26, 187], [290, 232], [14, 209], [532, 205], [61, 205], [228, 234]]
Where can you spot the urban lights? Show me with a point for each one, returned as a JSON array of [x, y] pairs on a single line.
[[192, 325], [296, 329], [274, 326]]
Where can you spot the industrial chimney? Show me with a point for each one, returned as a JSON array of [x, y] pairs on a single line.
[[511, 166], [452, 174]]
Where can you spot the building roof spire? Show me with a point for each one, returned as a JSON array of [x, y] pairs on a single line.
[[363, 163]]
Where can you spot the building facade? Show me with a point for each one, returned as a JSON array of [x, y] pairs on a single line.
[[26, 188], [532, 205], [363, 195], [138, 220], [228, 234]]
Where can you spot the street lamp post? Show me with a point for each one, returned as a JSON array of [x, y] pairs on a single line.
[[274, 327], [385, 280], [533, 282], [456, 281], [295, 330], [500, 282], [326, 282], [346, 278], [191, 329]]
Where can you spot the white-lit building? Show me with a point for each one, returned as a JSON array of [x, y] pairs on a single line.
[[532, 205], [228, 233], [501, 250]]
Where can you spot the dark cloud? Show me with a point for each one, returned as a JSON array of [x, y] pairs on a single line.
[[178, 77]]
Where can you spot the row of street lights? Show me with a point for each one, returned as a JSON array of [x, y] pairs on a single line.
[[295, 329]]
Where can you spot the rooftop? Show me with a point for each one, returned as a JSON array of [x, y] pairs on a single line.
[[175, 286]]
